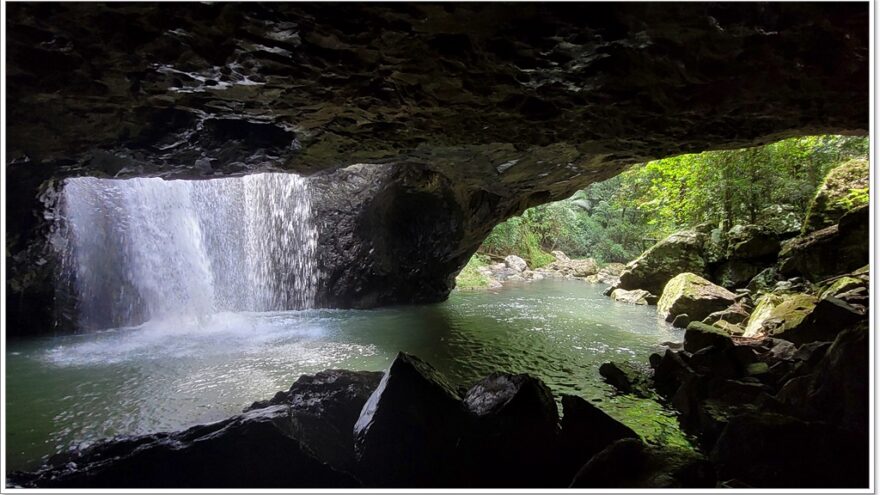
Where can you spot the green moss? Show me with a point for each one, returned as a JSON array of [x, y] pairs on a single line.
[[775, 314], [857, 197], [844, 188], [470, 277]]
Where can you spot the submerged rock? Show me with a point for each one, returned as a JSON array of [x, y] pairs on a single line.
[[408, 430], [626, 378], [629, 463], [254, 449], [690, 294]]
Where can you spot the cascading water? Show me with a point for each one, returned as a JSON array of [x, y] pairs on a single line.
[[142, 249]]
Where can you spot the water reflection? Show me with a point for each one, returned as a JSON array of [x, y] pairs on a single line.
[[170, 374]]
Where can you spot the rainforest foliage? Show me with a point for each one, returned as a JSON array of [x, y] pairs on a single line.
[[617, 219]]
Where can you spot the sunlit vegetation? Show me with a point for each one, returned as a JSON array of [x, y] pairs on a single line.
[[617, 219]]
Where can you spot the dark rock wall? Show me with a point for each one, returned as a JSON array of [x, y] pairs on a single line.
[[469, 113]]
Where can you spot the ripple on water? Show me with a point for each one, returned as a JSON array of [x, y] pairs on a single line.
[[171, 374]]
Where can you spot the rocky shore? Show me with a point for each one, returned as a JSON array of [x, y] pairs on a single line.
[[767, 414]]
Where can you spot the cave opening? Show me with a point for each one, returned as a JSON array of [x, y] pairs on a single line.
[[203, 293]]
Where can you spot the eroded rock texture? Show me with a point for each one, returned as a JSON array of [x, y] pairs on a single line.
[[469, 112]]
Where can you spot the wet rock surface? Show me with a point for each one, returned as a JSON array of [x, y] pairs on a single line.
[[255, 449], [407, 432], [763, 410], [322, 409], [629, 463], [466, 122]]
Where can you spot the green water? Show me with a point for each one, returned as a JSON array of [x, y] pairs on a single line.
[[64, 391]]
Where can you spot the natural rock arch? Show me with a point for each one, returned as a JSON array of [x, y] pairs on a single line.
[[476, 111]]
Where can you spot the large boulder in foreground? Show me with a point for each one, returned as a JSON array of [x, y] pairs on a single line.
[[843, 189], [254, 449], [629, 463], [678, 253], [408, 430], [512, 435], [775, 451], [323, 409], [838, 390], [690, 294], [587, 430]]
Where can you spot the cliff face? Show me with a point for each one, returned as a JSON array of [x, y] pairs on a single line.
[[466, 113]]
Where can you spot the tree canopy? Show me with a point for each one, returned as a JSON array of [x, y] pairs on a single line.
[[617, 219]]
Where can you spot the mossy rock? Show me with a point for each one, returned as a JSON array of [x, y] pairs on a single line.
[[835, 250], [844, 189], [775, 314], [691, 294], [841, 285], [699, 336], [678, 253]]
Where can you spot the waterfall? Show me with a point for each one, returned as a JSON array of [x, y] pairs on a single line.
[[141, 249]]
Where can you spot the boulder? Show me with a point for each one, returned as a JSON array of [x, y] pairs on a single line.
[[323, 409], [801, 318], [699, 336], [747, 242], [729, 328], [736, 273], [587, 430], [836, 389], [690, 294], [735, 313], [670, 372], [781, 219], [409, 429], [768, 450], [626, 378], [610, 273], [513, 433], [254, 449], [629, 463], [763, 281], [515, 263], [831, 251], [776, 314], [678, 253], [843, 189], [560, 256], [638, 296], [681, 321], [584, 267]]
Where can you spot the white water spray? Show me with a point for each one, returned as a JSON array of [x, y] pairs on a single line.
[[142, 249]]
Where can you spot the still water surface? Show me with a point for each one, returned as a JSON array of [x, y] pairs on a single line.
[[64, 391]]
